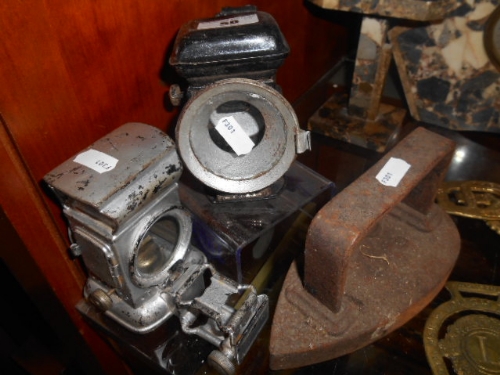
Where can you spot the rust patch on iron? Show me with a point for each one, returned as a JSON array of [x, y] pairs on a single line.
[[375, 256]]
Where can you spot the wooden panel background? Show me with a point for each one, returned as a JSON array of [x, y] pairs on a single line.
[[72, 71]]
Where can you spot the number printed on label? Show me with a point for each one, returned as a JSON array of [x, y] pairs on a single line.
[[228, 125], [386, 178], [96, 160], [104, 165], [393, 172], [228, 22], [234, 135]]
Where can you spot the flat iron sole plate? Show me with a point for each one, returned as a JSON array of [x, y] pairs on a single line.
[[393, 275]]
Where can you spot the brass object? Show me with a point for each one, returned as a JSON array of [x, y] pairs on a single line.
[[472, 338], [494, 225], [472, 199]]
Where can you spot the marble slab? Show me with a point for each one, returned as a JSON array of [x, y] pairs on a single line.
[[332, 120], [370, 70], [417, 10], [446, 74]]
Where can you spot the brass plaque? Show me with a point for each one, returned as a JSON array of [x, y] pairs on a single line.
[[472, 199], [465, 331]]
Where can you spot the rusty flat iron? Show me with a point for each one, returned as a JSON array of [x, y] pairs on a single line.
[[375, 256]]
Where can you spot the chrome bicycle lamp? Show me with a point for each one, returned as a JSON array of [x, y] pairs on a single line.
[[120, 197]]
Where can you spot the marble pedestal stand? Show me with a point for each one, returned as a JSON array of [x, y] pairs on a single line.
[[359, 117]]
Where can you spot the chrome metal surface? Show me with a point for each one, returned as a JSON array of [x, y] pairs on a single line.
[[110, 212], [100, 299], [120, 197], [175, 95], [165, 253]]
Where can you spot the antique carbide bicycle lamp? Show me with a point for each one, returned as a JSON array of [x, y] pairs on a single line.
[[120, 197], [237, 134]]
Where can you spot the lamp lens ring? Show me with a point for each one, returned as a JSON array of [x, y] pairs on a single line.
[[162, 244]]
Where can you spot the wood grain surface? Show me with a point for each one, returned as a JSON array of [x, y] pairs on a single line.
[[72, 71]]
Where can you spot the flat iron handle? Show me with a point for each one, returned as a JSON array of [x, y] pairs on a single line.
[[344, 222]]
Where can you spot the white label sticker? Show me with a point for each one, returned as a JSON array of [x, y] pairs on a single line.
[[234, 135], [393, 172], [96, 160], [228, 22]]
